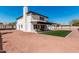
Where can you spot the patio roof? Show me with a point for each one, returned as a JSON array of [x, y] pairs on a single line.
[[44, 23], [50, 23]]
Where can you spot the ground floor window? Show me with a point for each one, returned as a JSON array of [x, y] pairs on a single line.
[[40, 27], [35, 26]]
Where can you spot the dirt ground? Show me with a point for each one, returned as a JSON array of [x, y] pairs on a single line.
[[24, 42]]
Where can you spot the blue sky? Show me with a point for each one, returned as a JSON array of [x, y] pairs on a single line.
[[10, 13], [59, 14]]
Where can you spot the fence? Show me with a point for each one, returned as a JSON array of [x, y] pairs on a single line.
[[63, 27], [6, 27]]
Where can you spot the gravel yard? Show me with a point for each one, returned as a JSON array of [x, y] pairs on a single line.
[[24, 42]]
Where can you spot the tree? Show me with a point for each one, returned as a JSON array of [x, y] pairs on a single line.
[[75, 22], [1, 23], [12, 24]]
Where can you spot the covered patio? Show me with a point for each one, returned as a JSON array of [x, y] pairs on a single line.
[[42, 26]]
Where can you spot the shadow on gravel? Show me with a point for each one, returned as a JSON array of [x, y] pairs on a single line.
[[1, 45], [5, 33]]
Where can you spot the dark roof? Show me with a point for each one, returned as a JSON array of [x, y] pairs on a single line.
[[19, 17], [37, 13], [33, 13], [44, 23]]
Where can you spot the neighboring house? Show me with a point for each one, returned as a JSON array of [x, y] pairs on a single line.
[[32, 22]]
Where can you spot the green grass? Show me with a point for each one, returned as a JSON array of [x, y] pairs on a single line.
[[61, 33]]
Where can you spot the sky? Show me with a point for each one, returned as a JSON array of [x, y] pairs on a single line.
[[57, 14], [10, 13]]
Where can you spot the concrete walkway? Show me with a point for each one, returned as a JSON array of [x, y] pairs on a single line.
[[72, 41], [74, 34]]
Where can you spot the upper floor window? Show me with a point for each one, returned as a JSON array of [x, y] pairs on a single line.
[[41, 18], [35, 16]]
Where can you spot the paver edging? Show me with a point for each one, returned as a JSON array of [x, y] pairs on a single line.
[[68, 35]]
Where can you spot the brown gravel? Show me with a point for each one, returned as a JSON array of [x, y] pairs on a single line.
[[18, 41]]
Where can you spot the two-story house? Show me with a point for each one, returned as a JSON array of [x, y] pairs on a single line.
[[32, 22]]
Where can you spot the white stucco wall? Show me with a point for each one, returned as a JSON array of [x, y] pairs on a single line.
[[28, 23], [19, 23]]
